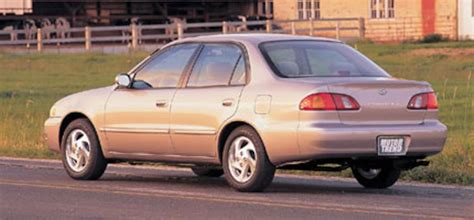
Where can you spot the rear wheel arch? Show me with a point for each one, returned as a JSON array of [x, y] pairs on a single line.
[[67, 120], [225, 132]]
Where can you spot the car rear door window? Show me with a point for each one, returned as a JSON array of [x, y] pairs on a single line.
[[238, 78], [216, 65], [165, 70]]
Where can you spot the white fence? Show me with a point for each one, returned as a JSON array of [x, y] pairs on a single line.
[[134, 35]]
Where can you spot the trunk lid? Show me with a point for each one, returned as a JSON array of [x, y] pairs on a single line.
[[381, 100]]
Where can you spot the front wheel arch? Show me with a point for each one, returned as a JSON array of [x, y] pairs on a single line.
[[93, 162], [67, 120]]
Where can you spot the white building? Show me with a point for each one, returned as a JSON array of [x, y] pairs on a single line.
[[466, 19], [17, 7]]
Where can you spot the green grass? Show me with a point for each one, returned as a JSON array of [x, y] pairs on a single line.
[[452, 77], [31, 83]]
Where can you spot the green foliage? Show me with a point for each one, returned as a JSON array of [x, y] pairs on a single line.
[[432, 38]]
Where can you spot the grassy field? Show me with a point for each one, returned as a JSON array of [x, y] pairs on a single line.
[[31, 83]]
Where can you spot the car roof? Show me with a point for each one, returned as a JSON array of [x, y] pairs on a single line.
[[254, 38]]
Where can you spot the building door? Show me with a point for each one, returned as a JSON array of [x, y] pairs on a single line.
[[428, 13]]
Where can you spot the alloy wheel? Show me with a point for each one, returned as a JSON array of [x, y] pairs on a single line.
[[78, 149], [242, 159]]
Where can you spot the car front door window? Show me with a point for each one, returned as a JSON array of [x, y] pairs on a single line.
[[164, 70]]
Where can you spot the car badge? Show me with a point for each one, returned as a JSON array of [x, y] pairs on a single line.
[[382, 91]]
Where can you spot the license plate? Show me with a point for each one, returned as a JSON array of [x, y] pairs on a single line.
[[391, 145]]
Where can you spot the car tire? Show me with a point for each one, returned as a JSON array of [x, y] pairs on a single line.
[[245, 162], [81, 152], [380, 178], [207, 172]]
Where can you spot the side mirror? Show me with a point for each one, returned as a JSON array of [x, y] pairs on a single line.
[[123, 80]]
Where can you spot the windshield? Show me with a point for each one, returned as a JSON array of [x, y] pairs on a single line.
[[292, 59]]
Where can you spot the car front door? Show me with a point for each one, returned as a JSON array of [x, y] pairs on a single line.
[[210, 97], [137, 118]]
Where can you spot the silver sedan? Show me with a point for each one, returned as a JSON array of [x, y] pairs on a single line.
[[244, 105]]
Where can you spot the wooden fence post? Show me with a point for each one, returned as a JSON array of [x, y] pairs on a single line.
[[361, 28], [268, 25], [134, 36], [39, 40], [311, 27], [27, 34], [338, 30], [180, 30], [87, 37], [224, 27], [293, 28]]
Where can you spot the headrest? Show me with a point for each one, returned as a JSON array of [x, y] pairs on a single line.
[[216, 73], [342, 68], [288, 68]]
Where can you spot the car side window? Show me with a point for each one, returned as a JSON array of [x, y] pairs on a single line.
[[165, 70], [216, 65]]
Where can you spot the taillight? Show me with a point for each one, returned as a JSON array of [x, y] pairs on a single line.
[[328, 101], [345, 102], [423, 101]]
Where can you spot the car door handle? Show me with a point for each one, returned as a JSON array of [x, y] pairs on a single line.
[[161, 103], [227, 102]]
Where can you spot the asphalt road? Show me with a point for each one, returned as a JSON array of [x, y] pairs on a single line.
[[36, 189]]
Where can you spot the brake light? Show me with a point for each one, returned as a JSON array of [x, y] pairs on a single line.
[[423, 101], [328, 101]]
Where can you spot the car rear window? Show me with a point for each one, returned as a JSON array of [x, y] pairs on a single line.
[[292, 59]]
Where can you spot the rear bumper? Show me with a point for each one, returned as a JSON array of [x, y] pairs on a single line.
[[51, 133], [317, 141]]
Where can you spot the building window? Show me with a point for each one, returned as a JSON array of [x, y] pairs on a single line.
[[308, 9], [267, 8], [391, 8], [382, 8], [301, 9]]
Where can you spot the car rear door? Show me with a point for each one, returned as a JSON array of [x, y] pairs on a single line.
[[210, 97], [137, 118]]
